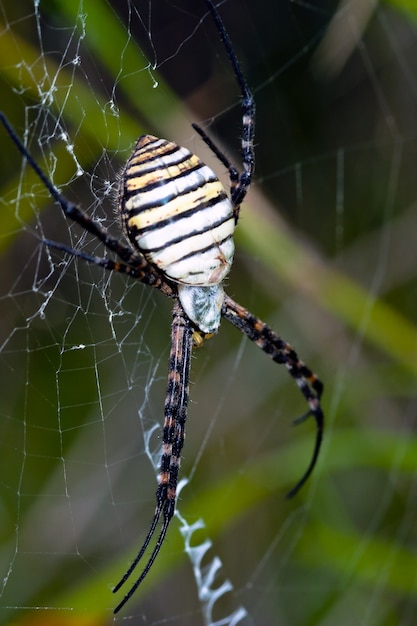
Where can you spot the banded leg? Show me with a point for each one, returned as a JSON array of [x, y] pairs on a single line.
[[173, 440], [282, 352], [144, 271], [239, 183], [141, 271]]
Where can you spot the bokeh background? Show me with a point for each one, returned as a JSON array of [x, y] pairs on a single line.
[[326, 254]]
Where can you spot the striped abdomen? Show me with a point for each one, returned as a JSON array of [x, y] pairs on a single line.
[[176, 211]]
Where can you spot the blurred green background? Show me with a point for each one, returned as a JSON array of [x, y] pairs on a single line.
[[326, 254]]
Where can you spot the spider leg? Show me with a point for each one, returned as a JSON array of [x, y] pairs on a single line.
[[233, 172], [240, 187], [145, 272], [282, 352], [173, 440], [134, 271], [140, 554]]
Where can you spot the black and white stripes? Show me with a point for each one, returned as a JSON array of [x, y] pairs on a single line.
[[176, 211]]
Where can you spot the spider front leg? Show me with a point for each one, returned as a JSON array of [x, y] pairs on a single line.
[[134, 263], [282, 352], [173, 440]]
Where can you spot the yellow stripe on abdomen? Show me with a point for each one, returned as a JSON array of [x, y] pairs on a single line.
[[176, 212]]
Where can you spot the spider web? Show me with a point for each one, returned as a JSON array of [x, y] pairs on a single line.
[[326, 255]]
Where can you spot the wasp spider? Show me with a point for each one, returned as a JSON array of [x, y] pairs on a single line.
[[179, 223]]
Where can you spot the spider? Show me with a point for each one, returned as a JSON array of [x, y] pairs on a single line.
[[179, 222]]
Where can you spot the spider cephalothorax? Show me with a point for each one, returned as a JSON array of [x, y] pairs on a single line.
[[179, 223]]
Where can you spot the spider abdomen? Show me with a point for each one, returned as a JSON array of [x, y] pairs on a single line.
[[176, 212]]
